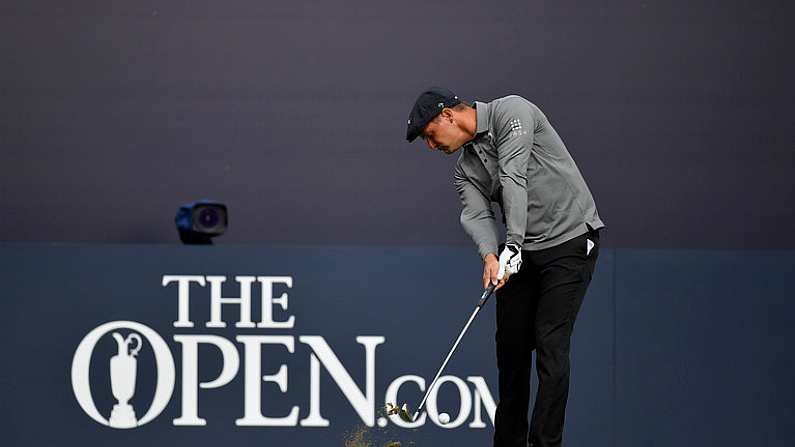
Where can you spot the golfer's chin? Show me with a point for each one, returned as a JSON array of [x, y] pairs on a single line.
[[448, 150]]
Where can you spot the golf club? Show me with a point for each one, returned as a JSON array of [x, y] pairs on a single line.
[[404, 411]]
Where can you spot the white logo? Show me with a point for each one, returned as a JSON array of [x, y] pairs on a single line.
[[516, 128], [134, 338], [123, 371]]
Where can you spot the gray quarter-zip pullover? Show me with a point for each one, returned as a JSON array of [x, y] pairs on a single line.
[[518, 161]]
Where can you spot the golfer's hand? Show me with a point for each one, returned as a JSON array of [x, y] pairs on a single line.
[[510, 260], [491, 266]]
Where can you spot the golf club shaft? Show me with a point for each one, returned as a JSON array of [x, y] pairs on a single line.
[[483, 298]]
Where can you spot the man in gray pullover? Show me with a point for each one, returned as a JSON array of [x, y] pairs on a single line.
[[511, 155]]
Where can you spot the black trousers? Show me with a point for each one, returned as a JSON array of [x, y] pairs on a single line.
[[536, 309]]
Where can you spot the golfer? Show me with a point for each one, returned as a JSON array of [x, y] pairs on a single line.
[[511, 155]]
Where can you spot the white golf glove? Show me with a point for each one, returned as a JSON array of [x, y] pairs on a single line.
[[510, 260]]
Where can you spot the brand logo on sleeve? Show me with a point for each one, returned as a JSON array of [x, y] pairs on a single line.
[[516, 128]]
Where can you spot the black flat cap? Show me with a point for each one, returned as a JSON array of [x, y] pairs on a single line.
[[429, 104]]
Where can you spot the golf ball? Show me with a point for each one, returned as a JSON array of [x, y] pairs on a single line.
[[444, 418]]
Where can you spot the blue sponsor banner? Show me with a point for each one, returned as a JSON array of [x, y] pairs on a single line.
[[261, 345], [704, 344]]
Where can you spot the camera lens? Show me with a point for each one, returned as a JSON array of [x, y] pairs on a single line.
[[198, 222], [208, 218]]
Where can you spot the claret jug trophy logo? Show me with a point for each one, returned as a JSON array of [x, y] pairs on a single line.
[[123, 371]]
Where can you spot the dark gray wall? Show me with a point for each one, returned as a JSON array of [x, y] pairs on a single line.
[[113, 113]]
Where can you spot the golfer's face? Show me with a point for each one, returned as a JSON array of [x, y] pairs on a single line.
[[442, 135]]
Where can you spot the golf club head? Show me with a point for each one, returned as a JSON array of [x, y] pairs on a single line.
[[405, 414], [402, 412]]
